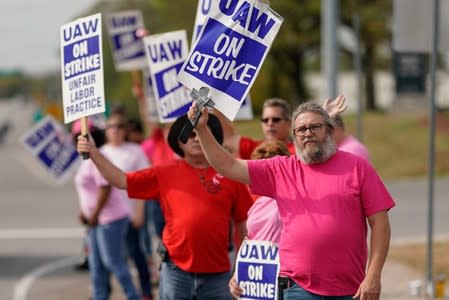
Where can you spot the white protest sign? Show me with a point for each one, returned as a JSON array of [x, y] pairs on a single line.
[[149, 96], [127, 47], [53, 147], [257, 269], [230, 51], [82, 68], [165, 55], [204, 7]]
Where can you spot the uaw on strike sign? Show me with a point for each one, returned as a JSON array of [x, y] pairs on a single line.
[[257, 269], [82, 68], [204, 7], [230, 51], [166, 54], [127, 47]]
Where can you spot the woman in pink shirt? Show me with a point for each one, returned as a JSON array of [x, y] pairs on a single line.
[[263, 223]]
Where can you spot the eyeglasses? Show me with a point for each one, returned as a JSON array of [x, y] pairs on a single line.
[[274, 120], [116, 126], [301, 131]]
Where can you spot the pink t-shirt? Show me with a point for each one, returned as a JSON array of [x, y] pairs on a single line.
[[352, 145], [323, 209], [158, 151], [88, 182], [264, 223], [128, 157]]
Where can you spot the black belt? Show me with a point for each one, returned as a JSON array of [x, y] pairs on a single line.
[[283, 284]]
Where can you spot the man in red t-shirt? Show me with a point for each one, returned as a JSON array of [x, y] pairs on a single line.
[[198, 205]]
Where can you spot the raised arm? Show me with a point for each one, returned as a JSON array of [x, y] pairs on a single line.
[[336, 106], [111, 173], [222, 161]]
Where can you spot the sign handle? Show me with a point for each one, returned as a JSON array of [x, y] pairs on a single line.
[[85, 133], [202, 100]]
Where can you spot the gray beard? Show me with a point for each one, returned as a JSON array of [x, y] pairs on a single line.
[[324, 152]]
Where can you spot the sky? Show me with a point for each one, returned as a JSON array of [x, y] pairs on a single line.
[[29, 32]]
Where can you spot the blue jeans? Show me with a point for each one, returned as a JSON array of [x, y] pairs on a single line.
[[137, 254], [295, 292], [154, 224], [107, 254], [154, 213], [176, 284]]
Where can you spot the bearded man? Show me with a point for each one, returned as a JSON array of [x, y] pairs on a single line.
[[325, 197]]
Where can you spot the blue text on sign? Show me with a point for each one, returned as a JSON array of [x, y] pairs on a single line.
[[80, 30], [250, 19], [258, 252], [169, 51], [126, 21]]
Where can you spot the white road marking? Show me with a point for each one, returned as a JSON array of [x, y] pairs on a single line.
[[42, 233], [22, 287]]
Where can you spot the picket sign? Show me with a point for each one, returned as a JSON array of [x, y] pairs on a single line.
[[257, 270], [166, 54], [82, 68], [52, 146], [204, 7], [230, 50], [127, 46]]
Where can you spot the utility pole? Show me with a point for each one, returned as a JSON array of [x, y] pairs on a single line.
[[329, 48]]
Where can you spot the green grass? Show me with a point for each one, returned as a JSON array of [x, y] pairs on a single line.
[[415, 256], [398, 144]]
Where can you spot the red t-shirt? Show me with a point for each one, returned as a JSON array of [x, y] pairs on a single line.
[[247, 146], [197, 215]]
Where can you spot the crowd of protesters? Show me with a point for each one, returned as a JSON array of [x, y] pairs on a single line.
[[315, 201]]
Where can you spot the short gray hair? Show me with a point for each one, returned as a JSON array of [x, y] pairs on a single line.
[[281, 103], [314, 108]]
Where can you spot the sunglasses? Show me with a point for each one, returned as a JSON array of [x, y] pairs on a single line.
[[274, 120], [116, 126]]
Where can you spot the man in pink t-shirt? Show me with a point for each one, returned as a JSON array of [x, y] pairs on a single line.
[[346, 142], [325, 198]]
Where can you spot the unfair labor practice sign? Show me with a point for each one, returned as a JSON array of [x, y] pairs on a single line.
[[166, 53], [127, 47], [230, 51], [82, 68], [53, 148], [257, 269]]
